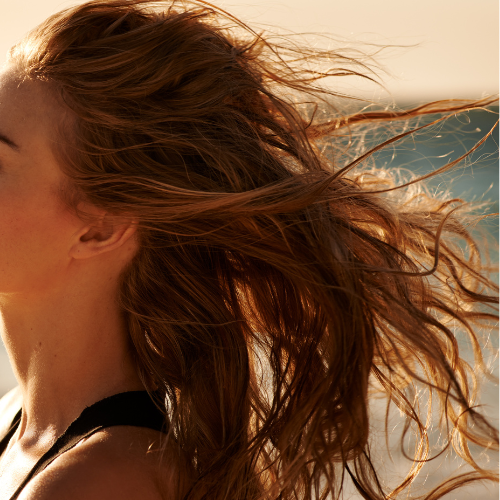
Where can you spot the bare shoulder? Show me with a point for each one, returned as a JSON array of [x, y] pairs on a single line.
[[10, 404], [122, 463]]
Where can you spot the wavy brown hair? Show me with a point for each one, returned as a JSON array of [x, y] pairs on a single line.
[[278, 279]]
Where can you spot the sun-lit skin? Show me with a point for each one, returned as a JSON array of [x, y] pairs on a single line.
[[58, 283]]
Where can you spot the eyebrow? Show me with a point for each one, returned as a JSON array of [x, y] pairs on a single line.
[[9, 142]]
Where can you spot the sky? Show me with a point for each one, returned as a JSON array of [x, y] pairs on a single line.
[[454, 51]]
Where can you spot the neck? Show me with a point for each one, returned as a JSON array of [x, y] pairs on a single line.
[[68, 351]]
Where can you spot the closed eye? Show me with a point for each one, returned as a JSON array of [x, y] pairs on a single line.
[[9, 142]]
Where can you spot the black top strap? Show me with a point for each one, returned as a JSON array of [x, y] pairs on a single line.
[[128, 408], [12, 429]]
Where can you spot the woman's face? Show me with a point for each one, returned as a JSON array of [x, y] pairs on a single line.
[[35, 227]]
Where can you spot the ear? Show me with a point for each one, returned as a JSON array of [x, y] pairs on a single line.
[[106, 234]]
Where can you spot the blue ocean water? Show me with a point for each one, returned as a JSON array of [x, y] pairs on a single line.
[[475, 178]]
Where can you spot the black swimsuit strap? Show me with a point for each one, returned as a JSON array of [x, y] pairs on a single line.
[[12, 429], [128, 408]]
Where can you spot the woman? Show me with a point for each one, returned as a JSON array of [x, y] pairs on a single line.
[[175, 220]]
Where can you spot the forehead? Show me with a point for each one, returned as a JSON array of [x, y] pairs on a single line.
[[29, 111]]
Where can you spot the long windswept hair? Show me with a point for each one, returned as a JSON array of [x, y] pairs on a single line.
[[277, 280]]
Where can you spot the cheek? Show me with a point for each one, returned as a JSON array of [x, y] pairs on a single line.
[[33, 243]]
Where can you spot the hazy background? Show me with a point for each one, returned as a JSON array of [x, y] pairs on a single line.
[[454, 55], [457, 56]]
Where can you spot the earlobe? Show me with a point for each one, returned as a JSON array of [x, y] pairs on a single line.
[[105, 236]]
